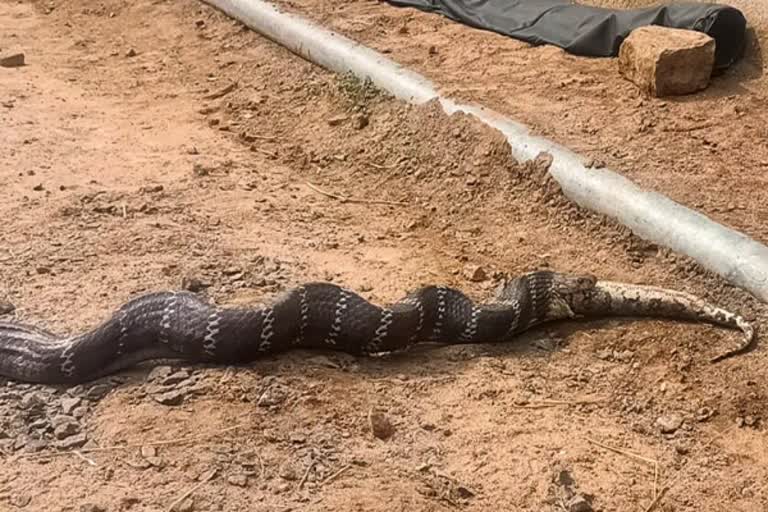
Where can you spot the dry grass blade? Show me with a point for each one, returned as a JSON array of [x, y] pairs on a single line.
[[181, 440], [626, 453], [345, 199], [540, 404], [336, 475], [207, 478]]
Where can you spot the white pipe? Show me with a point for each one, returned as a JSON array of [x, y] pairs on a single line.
[[739, 259]]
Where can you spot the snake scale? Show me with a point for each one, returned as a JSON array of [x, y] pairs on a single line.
[[182, 325]]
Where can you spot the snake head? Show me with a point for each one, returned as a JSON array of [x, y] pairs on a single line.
[[567, 289]]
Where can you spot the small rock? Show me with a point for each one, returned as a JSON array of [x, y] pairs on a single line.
[[464, 492], [98, 392], [32, 401], [381, 427], [12, 61], [68, 405], [38, 424], [750, 421], [175, 378], [604, 354], [282, 487], [92, 507], [298, 439], [361, 121], [682, 449], [75, 441], [275, 395], [170, 398], [130, 53], [665, 61], [187, 505], [66, 429], [80, 412], [704, 413], [669, 424], [20, 500], [155, 461], [199, 23], [76, 390], [148, 451], [36, 445], [6, 308], [193, 284], [159, 372], [42, 270], [238, 480], [475, 273], [288, 472], [579, 504], [335, 121]]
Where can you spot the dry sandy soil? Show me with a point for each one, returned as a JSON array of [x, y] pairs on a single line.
[[148, 145]]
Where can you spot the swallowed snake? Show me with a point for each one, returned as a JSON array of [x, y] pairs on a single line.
[[182, 325]]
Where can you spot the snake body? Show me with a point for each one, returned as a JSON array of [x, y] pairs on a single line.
[[182, 325]]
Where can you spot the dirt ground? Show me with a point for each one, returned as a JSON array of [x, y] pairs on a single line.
[[148, 145]]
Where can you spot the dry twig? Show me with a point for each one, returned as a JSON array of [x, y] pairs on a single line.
[[345, 199], [336, 475], [306, 475], [667, 487], [540, 404], [635, 456], [182, 440], [207, 478]]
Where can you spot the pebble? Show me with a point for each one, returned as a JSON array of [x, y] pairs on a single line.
[[238, 480], [361, 121], [273, 396], [175, 378], [288, 472], [604, 354], [335, 121], [475, 273], [159, 372], [20, 500], [68, 405], [670, 423], [32, 401], [36, 445], [170, 398], [92, 507], [65, 430], [98, 392], [130, 53], [75, 441], [80, 412], [155, 461], [13, 61], [381, 427], [148, 451], [193, 284], [6, 308], [704, 413]]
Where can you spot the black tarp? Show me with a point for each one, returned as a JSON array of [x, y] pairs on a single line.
[[591, 31]]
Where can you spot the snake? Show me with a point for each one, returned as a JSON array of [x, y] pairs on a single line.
[[183, 325]]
